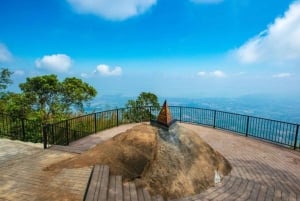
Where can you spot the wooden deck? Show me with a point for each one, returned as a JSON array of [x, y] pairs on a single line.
[[105, 187]]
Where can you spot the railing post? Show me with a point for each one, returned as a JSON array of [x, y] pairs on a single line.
[[180, 113], [247, 126], [150, 113], [23, 130], [67, 132], [117, 117], [215, 114], [95, 122], [296, 137], [45, 136], [52, 132]]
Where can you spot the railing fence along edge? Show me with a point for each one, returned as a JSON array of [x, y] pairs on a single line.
[[278, 132], [67, 131], [62, 133], [20, 128]]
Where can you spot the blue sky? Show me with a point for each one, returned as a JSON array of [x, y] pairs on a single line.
[[178, 48]]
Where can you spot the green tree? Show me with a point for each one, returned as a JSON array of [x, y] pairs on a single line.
[[43, 91], [16, 105], [75, 93], [54, 100], [5, 79], [141, 108]]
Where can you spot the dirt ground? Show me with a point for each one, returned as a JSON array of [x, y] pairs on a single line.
[[174, 164]]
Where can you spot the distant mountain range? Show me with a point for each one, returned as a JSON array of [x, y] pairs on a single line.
[[271, 107]]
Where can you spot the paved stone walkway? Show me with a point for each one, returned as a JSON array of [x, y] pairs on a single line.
[[22, 174], [261, 171]]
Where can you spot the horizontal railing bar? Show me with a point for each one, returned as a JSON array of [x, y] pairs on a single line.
[[277, 121]]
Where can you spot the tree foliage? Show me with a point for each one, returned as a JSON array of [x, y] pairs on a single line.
[[15, 105], [141, 108], [44, 99], [5, 78], [51, 99], [75, 92], [144, 99]]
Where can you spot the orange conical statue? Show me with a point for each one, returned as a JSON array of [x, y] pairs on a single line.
[[165, 117]]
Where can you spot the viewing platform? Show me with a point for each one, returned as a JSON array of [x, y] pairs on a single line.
[[260, 170]]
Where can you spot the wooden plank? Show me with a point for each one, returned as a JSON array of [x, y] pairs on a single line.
[[112, 188], [140, 194], [93, 183], [126, 192], [98, 186], [133, 193], [147, 196], [104, 184], [119, 189]]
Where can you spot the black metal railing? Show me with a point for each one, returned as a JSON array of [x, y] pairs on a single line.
[[278, 132], [283, 133], [65, 132], [62, 133], [20, 129]]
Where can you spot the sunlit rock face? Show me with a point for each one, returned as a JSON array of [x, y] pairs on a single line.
[[182, 163]]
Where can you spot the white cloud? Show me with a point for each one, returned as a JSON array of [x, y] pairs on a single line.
[[105, 70], [5, 54], [282, 75], [19, 72], [278, 44], [112, 9], [216, 73], [84, 75], [240, 73], [207, 1], [201, 73], [55, 62]]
